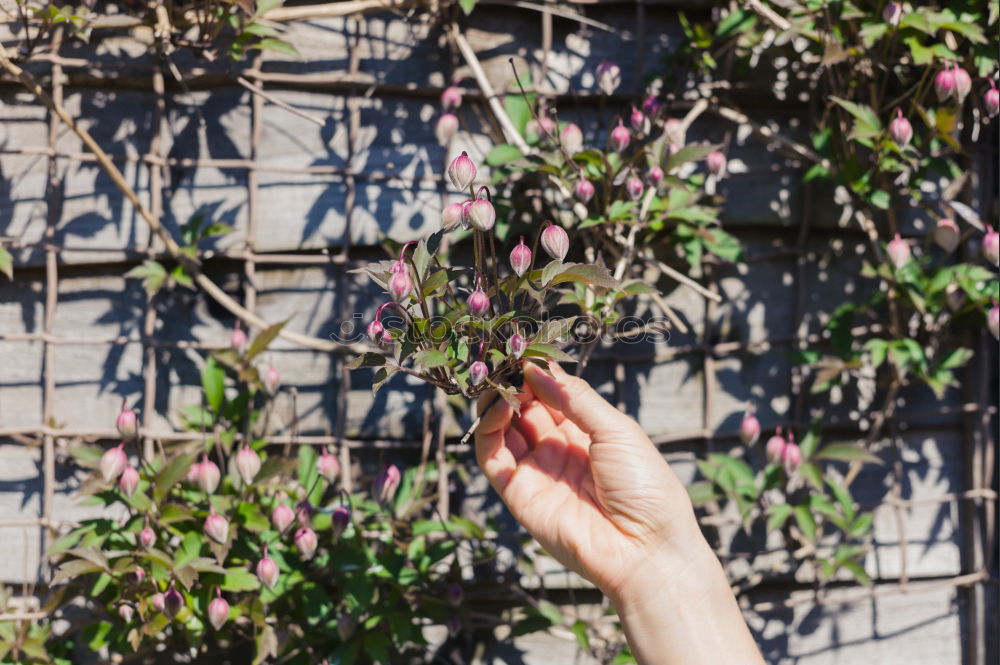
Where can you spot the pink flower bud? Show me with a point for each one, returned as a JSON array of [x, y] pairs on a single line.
[[374, 331], [218, 610], [555, 241], [304, 513], [639, 121], [400, 285], [482, 216], [991, 101], [157, 601], [386, 483], [208, 475], [674, 132], [477, 372], [126, 612], [129, 481], [478, 302], [892, 13], [944, 84], [899, 252], [946, 234], [609, 77], [516, 345], [267, 570], [453, 594], [173, 601], [451, 216], [520, 258], [963, 83], [247, 464], [634, 188], [346, 624], [272, 381], [305, 541], [900, 129], [584, 190], [791, 458], [238, 339], [281, 517], [147, 537], [571, 138], [341, 518], [775, 446], [716, 163], [654, 175], [217, 528], [386, 340], [620, 136], [466, 209], [749, 428], [651, 106], [113, 462], [328, 466], [991, 246], [546, 124], [993, 321], [462, 172], [445, 128], [127, 424], [137, 576], [451, 98]]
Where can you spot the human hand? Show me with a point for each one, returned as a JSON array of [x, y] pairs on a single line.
[[584, 480]]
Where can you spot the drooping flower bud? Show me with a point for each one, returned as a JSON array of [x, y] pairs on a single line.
[[328, 466], [963, 83], [609, 77], [482, 215], [620, 136], [478, 371], [238, 339], [346, 624], [208, 475], [400, 285], [272, 380], [946, 234], [462, 172], [775, 446], [584, 190], [127, 423], [991, 100], [113, 462], [267, 570], [654, 175], [453, 594], [651, 106], [129, 481], [157, 601], [991, 246], [944, 84], [126, 612], [451, 97], [386, 483], [993, 321], [137, 576], [520, 258], [716, 163], [555, 241], [478, 302], [305, 541], [634, 188], [218, 610], [247, 464], [281, 517], [892, 13], [341, 518], [639, 121], [304, 513], [386, 340], [445, 128], [791, 457], [217, 527], [451, 216], [749, 428], [516, 345], [900, 129], [899, 252], [173, 601], [374, 331], [147, 537], [571, 138]]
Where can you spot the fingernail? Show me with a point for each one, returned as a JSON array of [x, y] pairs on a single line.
[[546, 388]]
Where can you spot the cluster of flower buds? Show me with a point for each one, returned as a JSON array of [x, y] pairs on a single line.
[[784, 452], [952, 83], [447, 124]]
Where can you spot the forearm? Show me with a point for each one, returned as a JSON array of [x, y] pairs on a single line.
[[681, 611]]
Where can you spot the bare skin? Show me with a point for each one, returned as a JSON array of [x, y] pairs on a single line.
[[589, 485]]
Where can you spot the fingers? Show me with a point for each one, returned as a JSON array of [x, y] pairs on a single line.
[[580, 403], [494, 458]]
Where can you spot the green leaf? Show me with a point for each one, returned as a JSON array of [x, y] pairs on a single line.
[[467, 6], [689, 153], [430, 358], [73, 569], [810, 471], [956, 358], [584, 274], [6, 263], [806, 522], [239, 579], [503, 154], [701, 492], [367, 359], [550, 612], [548, 351], [152, 274], [279, 46], [213, 382], [170, 475], [778, 514], [579, 630], [858, 571], [862, 525], [554, 329], [264, 339], [844, 498], [867, 123], [846, 452]]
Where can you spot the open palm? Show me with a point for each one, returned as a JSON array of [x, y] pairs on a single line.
[[581, 477]]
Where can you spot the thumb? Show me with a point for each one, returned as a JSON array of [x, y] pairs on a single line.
[[580, 404]]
